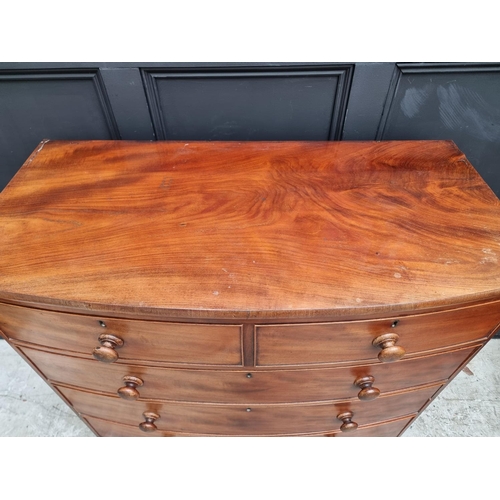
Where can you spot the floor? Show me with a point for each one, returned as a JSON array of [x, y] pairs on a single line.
[[467, 407]]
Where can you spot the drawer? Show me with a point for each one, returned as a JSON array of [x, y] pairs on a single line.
[[106, 428], [386, 429], [262, 386], [184, 343], [351, 341], [238, 420]]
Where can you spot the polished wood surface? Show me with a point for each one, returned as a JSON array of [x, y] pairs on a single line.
[[107, 428], [142, 340], [347, 423], [249, 420], [367, 392], [257, 386], [240, 230], [129, 390], [386, 429], [149, 424], [389, 351], [321, 343], [106, 352]]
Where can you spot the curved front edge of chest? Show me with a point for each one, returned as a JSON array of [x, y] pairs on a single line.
[[361, 341], [181, 379]]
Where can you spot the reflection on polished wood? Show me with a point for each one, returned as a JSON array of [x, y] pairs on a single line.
[[263, 229]]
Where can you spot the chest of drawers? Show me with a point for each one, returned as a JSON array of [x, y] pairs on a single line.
[[249, 289]]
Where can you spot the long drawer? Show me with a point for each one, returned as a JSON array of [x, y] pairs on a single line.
[[321, 343], [183, 343], [252, 387], [248, 420], [106, 428]]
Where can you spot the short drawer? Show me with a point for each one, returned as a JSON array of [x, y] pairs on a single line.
[[105, 428], [351, 341], [184, 343], [248, 420], [247, 387]]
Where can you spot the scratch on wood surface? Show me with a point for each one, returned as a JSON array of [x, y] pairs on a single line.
[[42, 144], [59, 221], [166, 183], [35, 153]]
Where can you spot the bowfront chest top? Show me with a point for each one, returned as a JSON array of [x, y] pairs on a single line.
[[258, 288]]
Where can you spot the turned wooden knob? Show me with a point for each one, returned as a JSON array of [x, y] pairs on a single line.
[[130, 391], [367, 392], [390, 351], [106, 351], [348, 425], [148, 425]]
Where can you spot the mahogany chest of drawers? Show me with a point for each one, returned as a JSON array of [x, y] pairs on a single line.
[[260, 288]]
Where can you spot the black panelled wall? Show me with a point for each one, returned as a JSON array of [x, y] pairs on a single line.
[[330, 101]]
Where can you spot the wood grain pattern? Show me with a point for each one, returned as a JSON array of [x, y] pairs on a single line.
[[352, 341], [386, 429], [232, 230], [106, 428], [263, 386], [238, 420], [143, 340]]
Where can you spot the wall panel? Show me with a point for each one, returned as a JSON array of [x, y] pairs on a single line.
[[460, 102], [248, 105], [38, 105]]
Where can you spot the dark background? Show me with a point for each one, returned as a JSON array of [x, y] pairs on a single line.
[[240, 101]]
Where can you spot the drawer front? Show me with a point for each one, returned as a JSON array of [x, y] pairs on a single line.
[[352, 341], [237, 420], [247, 387], [143, 340], [105, 428], [386, 429]]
